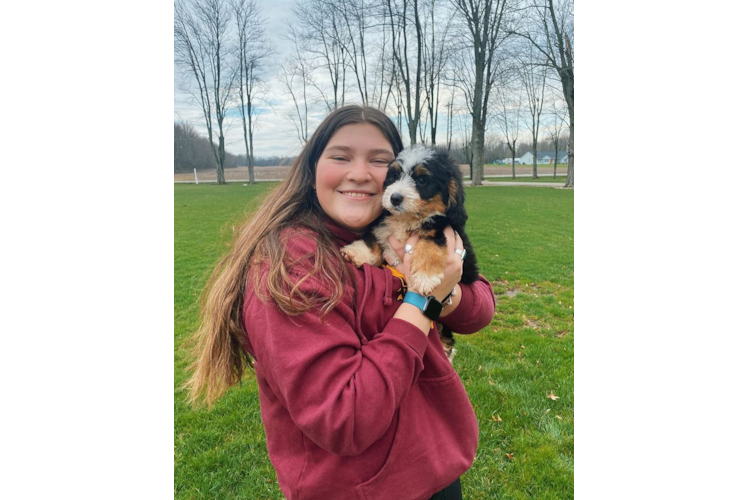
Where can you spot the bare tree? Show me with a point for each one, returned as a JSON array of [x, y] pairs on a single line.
[[551, 31], [400, 18], [201, 49], [484, 21], [436, 51], [533, 77], [422, 131], [355, 17], [450, 114], [385, 72], [399, 102], [509, 111], [322, 35], [465, 144], [296, 77], [461, 80], [253, 49], [555, 129]]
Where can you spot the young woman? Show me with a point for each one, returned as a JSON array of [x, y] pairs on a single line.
[[357, 397]]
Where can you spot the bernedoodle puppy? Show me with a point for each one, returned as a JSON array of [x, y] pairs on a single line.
[[423, 194]]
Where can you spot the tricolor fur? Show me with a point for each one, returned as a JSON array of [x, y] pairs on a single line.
[[423, 194]]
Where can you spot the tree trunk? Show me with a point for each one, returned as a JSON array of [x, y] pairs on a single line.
[[513, 150], [221, 161], [478, 145], [251, 156], [570, 171], [535, 158], [555, 158]]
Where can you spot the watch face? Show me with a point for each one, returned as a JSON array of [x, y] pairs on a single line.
[[433, 308]]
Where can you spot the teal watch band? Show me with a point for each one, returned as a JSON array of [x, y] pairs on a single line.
[[415, 299], [429, 306]]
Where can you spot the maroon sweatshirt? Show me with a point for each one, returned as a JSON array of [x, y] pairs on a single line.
[[360, 405]]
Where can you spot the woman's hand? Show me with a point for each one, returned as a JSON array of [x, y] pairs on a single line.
[[452, 269]]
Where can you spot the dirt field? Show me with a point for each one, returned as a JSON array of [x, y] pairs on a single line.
[[278, 173]]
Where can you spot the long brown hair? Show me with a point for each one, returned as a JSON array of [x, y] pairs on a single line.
[[219, 343]]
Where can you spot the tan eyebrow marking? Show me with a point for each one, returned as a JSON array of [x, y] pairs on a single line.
[[421, 170]]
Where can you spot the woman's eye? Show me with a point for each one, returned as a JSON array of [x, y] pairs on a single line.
[[338, 158]]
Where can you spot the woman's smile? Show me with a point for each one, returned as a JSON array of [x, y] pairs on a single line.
[[350, 175]]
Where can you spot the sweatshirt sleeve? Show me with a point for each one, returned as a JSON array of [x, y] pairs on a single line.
[[340, 392], [476, 309]]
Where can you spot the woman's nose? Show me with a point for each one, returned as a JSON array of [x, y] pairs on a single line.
[[359, 171]]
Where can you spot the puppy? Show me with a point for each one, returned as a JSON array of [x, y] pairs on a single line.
[[423, 194]]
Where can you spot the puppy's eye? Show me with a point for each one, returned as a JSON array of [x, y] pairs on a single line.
[[421, 181]]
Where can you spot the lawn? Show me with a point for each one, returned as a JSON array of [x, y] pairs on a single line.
[[523, 237], [561, 179], [562, 167]]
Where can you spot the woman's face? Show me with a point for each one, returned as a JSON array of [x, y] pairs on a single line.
[[350, 175]]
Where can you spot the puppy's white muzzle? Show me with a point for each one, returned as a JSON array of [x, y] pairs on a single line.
[[401, 197]]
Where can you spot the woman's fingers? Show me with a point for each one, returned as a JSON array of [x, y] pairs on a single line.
[[449, 235], [410, 244], [403, 257], [397, 246]]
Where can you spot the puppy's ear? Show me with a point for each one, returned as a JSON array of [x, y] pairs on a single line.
[[454, 193], [456, 207]]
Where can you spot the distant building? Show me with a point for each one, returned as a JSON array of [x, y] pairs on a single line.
[[544, 158]]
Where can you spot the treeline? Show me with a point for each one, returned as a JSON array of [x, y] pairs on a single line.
[[191, 150], [269, 161], [496, 150]]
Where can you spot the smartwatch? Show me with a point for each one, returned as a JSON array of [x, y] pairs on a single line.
[[429, 306]]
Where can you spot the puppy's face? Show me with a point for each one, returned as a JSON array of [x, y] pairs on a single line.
[[418, 183]]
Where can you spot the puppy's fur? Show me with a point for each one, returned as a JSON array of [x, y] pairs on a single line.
[[423, 194]]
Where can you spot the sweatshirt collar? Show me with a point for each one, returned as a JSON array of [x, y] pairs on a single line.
[[342, 236]]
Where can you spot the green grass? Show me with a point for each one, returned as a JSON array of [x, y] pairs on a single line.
[[543, 178], [523, 237], [541, 166]]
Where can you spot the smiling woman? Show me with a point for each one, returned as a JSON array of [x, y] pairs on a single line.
[[358, 398], [349, 178]]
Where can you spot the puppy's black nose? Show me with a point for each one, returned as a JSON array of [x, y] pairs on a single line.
[[396, 199]]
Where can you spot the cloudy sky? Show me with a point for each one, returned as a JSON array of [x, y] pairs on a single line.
[[275, 132]]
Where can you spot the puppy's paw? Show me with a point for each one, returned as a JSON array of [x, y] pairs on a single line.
[[424, 283], [358, 254]]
